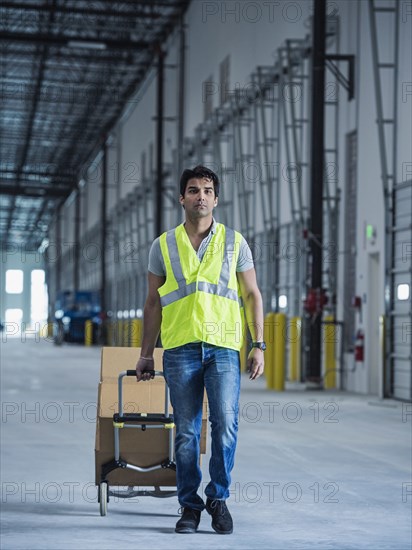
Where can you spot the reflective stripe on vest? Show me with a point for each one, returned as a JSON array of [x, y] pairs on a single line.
[[221, 289]]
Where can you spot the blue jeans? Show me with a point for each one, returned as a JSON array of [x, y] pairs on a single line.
[[188, 370]]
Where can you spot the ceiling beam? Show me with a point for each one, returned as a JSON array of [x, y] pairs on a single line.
[[49, 137], [114, 57], [119, 12], [48, 39], [37, 191], [45, 174]]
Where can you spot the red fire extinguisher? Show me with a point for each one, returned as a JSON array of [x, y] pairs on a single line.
[[360, 346], [315, 301]]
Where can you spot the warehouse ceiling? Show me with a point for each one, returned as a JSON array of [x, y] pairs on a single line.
[[68, 69]]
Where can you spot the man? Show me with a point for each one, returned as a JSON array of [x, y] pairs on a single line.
[[201, 281]]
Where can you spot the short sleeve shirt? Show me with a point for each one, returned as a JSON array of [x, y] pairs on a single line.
[[157, 266]]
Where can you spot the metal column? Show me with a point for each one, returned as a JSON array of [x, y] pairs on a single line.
[[181, 98], [77, 219], [313, 373], [103, 242], [159, 141], [59, 250]]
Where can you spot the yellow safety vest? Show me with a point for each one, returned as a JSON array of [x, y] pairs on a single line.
[[201, 300]]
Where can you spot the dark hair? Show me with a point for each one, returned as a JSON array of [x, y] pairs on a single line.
[[199, 172]]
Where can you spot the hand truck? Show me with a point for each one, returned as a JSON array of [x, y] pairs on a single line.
[[143, 421]]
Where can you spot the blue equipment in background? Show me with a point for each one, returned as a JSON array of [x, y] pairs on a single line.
[[72, 310]]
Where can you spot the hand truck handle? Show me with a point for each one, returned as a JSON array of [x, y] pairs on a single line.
[[133, 373]]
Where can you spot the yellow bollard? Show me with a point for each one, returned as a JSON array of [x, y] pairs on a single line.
[[329, 337], [136, 327], [294, 337], [88, 333], [268, 335], [279, 352], [46, 330]]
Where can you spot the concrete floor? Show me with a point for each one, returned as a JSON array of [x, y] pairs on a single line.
[[322, 470]]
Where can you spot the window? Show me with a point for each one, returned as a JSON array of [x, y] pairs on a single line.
[[14, 281]]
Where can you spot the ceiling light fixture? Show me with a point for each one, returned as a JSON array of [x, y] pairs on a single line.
[[86, 45]]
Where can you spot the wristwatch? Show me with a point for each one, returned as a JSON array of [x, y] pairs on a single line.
[[260, 345]]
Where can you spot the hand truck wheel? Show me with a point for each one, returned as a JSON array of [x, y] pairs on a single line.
[[103, 497]]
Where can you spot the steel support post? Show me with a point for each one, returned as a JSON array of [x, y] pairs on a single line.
[[181, 98], [76, 266], [58, 272], [313, 373], [103, 241], [159, 142]]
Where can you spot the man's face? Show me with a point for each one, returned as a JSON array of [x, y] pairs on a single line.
[[199, 198]]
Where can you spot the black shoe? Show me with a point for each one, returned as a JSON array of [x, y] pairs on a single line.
[[222, 521], [189, 521]]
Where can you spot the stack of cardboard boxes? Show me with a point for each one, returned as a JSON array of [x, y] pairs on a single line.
[[137, 447]]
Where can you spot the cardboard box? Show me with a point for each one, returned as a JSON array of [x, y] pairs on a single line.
[[139, 397], [114, 360], [141, 448]]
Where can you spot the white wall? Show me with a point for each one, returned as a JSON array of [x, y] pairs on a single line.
[[249, 32], [136, 133]]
